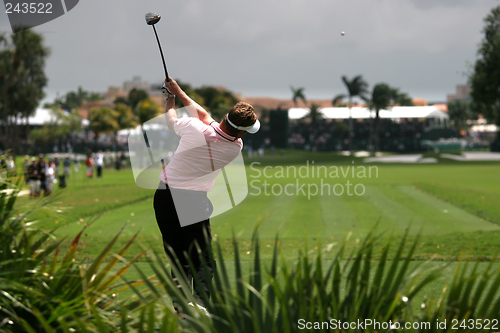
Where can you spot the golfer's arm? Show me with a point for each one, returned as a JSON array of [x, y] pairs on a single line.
[[194, 109], [170, 113]]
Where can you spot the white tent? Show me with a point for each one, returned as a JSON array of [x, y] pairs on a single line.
[[43, 116], [40, 117], [395, 113]]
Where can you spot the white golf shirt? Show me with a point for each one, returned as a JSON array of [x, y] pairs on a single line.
[[202, 152]]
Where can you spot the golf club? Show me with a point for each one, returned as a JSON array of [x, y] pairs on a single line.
[[151, 19]]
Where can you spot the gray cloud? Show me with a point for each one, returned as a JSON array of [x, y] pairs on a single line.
[[262, 47]]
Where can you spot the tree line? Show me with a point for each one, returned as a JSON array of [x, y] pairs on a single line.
[[22, 80], [127, 112], [381, 97]]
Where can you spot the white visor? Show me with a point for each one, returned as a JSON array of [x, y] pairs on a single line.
[[250, 129]]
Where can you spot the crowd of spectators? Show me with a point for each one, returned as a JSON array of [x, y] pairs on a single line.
[[42, 173], [333, 135]]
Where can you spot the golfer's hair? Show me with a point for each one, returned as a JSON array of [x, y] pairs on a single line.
[[242, 114]]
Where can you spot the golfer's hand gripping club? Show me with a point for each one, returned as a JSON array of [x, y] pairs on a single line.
[[166, 92], [172, 87]]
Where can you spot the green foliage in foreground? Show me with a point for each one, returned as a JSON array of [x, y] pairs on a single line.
[[42, 290]]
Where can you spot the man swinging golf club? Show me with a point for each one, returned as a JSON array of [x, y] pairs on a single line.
[[181, 205]]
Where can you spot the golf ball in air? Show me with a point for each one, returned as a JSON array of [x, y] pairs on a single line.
[[342, 33]]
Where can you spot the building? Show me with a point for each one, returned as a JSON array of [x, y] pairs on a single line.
[[462, 93], [136, 83], [115, 92]]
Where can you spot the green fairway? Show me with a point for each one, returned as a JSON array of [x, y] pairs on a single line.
[[453, 205]]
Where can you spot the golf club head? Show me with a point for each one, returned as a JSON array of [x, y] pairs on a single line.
[[152, 18]]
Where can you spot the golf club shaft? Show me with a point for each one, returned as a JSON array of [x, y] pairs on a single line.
[[161, 52]]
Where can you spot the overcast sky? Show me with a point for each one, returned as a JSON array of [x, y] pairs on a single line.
[[261, 48]]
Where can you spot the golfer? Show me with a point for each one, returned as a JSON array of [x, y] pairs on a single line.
[[181, 205]]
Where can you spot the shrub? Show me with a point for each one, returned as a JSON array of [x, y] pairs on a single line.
[[42, 290]]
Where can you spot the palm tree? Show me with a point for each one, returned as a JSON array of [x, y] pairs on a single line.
[[356, 87], [314, 115], [399, 98], [298, 94], [381, 98]]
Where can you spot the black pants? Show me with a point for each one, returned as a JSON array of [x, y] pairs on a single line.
[[179, 241]]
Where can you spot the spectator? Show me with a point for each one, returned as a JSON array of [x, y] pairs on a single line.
[[25, 165], [89, 162], [76, 164], [32, 178], [99, 162], [108, 160], [42, 177], [56, 164], [50, 177], [122, 160], [11, 166], [67, 166]]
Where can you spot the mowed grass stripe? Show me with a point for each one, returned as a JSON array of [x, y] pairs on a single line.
[[305, 218], [337, 216], [443, 212], [481, 203], [278, 214], [399, 214], [344, 214], [272, 211], [242, 218]]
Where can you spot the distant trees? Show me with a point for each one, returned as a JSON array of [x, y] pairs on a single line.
[[191, 93], [485, 79], [58, 128], [460, 112], [146, 109], [124, 116], [399, 98], [380, 100], [314, 115], [103, 120], [218, 101], [357, 87], [22, 79], [298, 94], [73, 99], [382, 97], [106, 120], [135, 96]]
